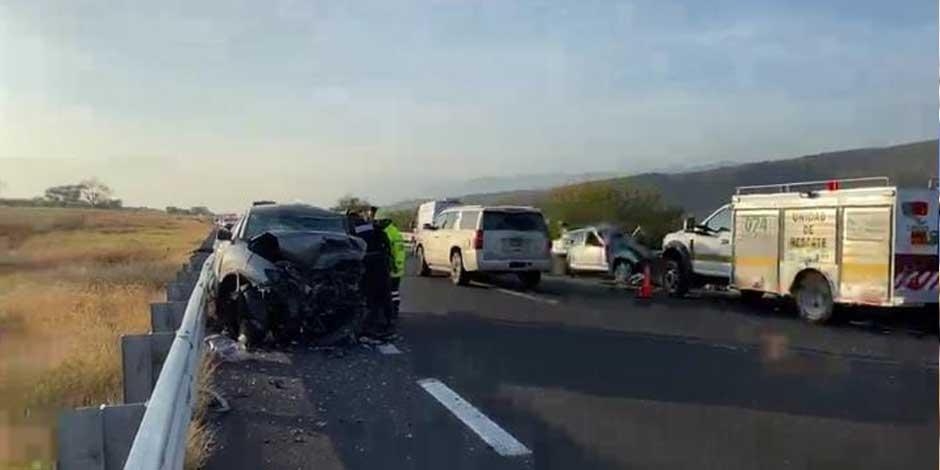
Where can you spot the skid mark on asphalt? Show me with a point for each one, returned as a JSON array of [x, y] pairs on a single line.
[[491, 433]]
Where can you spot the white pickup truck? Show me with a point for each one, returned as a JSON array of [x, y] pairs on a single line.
[[859, 241]]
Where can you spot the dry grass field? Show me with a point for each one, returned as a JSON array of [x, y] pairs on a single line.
[[72, 281]]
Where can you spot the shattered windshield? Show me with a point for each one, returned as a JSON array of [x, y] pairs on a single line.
[[266, 221]]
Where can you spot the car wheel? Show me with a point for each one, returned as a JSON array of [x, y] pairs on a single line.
[[814, 298], [423, 269], [530, 279], [622, 272], [458, 275], [675, 278]]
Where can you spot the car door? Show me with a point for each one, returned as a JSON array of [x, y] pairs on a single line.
[[575, 249], [448, 237], [432, 248], [712, 256], [593, 255]]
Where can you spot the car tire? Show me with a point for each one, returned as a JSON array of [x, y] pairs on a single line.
[[423, 269], [249, 334], [530, 279], [458, 275], [622, 272], [676, 278], [813, 297]]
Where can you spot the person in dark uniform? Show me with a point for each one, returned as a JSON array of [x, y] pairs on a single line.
[[376, 279]]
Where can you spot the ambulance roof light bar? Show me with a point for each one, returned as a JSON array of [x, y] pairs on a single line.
[[814, 185]]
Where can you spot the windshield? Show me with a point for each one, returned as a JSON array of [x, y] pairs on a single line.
[[515, 221], [262, 222]]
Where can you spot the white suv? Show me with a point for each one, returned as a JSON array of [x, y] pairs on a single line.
[[476, 239]]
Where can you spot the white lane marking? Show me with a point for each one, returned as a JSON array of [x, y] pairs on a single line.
[[520, 294], [388, 348], [497, 438], [527, 296]]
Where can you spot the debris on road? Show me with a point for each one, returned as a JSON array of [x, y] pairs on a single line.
[[224, 349]]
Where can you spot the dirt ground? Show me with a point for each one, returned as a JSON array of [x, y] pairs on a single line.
[[72, 281]]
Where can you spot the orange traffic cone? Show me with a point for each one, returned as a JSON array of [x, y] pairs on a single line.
[[646, 288]]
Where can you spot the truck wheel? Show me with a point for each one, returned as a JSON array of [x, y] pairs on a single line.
[[675, 278], [458, 275], [814, 298], [423, 269], [622, 273], [530, 279]]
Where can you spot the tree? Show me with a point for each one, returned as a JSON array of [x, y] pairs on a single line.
[[402, 219], [351, 204], [94, 192], [64, 194], [619, 205]]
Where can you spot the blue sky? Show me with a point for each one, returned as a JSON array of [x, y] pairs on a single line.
[[222, 102]]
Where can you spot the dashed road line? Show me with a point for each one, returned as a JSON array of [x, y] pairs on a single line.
[[491, 433], [523, 295]]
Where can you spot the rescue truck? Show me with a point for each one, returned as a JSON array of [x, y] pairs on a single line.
[[853, 241]]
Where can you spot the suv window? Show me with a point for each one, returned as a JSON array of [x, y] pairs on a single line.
[[517, 221], [449, 219], [468, 220], [720, 221]]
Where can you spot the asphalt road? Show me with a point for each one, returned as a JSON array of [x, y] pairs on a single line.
[[585, 376]]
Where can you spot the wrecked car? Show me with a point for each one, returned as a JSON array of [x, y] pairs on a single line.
[[290, 271], [603, 250]]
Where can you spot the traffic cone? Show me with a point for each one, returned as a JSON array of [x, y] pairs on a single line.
[[645, 291]]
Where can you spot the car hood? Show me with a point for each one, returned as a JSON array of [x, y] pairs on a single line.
[[312, 250]]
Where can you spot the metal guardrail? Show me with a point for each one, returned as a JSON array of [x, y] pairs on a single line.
[[160, 443]]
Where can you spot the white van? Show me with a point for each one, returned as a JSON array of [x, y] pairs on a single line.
[[429, 210], [493, 239]]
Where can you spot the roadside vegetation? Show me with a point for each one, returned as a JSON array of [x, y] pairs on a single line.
[[602, 202], [72, 281]]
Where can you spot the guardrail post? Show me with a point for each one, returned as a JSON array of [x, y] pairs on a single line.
[[177, 291], [165, 317], [97, 438], [142, 359]]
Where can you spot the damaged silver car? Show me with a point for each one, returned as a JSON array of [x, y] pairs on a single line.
[[289, 272]]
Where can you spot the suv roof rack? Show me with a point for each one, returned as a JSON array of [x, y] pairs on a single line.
[[808, 186], [263, 203]]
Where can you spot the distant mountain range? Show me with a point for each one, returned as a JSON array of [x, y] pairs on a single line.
[[702, 188]]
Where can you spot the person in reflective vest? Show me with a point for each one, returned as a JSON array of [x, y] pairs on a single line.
[[396, 261]]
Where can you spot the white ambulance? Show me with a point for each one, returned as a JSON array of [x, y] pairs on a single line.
[[859, 241]]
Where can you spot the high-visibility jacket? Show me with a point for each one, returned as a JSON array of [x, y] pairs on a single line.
[[397, 251]]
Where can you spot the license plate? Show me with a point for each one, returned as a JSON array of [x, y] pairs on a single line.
[[515, 243]]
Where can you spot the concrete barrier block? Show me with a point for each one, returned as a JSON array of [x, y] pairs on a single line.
[[142, 358], [98, 438], [176, 291], [165, 317]]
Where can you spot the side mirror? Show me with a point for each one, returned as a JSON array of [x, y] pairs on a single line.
[[223, 234], [428, 227], [228, 226], [689, 224]]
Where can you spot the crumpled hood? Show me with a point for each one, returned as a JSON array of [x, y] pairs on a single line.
[[312, 250]]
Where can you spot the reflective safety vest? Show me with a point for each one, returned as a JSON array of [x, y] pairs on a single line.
[[397, 243]]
